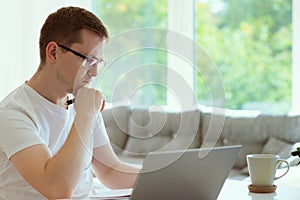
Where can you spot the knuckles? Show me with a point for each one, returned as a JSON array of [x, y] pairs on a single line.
[[89, 99]]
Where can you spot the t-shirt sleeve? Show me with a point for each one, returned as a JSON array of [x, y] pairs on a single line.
[[17, 131], [100, 136]]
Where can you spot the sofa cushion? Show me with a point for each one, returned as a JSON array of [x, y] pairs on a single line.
[[160, 130], [116, 123], [247, 148], [237, 128], [252, 132], [245, 130], [279, 147], [212, 125], [290, 129]]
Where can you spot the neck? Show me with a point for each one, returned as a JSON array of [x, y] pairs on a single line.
[[46, 86]]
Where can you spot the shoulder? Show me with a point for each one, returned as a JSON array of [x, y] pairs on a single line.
[[16, 108], [17, 97]]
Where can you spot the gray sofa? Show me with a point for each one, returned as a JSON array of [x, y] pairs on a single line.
[[136, 131]]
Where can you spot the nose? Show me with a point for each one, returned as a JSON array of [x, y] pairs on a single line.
[[93, 70]]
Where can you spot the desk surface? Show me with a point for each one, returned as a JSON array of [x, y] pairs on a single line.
[[239, 190], [288, 188]]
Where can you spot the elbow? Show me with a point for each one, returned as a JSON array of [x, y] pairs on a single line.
[[58, 193]]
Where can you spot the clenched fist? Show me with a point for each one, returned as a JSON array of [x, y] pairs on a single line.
[[89, 101]]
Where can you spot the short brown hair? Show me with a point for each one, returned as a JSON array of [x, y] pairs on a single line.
[[65, 25]]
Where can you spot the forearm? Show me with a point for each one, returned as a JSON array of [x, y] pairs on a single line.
[[65, 168], [122, 176], [70, 159], [118, 175], [57, 176]]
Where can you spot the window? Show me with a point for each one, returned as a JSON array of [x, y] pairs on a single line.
[[250, 43], [135, 71]]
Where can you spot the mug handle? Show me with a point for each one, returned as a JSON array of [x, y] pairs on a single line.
[[288, 168]]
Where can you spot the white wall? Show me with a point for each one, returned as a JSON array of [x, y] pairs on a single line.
[[21, 22]]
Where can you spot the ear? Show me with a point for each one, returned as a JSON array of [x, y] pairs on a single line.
[[51, 50]]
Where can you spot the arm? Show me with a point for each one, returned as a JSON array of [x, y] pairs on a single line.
[[57, 176], [112, 172]]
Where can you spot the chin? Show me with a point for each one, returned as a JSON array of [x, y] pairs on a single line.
[[70, 90], [79, 86]]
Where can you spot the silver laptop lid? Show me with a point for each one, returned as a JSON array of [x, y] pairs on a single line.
[[193, 173]]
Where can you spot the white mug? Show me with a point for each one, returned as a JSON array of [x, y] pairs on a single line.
[[262, 168]]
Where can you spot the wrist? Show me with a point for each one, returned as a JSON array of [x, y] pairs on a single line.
[[84, 123], [84, 118]]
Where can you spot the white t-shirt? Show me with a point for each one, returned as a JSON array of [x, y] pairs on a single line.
[[26, 119]]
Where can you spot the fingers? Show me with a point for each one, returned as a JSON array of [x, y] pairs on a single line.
[[89, 101]]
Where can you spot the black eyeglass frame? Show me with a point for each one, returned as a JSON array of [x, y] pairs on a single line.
[[86, 58]]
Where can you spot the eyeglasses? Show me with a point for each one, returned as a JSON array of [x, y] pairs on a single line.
[[88, 61]]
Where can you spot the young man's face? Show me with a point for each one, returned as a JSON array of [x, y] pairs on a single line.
[[77, 72]]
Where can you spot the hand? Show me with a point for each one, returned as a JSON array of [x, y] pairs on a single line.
[[89, 101]]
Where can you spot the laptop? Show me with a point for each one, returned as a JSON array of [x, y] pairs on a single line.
[[184, 174]]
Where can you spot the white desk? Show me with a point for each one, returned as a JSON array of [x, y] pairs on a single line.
[[288, 188], [239, 190]]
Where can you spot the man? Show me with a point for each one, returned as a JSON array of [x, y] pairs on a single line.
[[47, 148]]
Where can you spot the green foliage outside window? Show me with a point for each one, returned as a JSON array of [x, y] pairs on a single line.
[[250, 42], [135, 70]]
